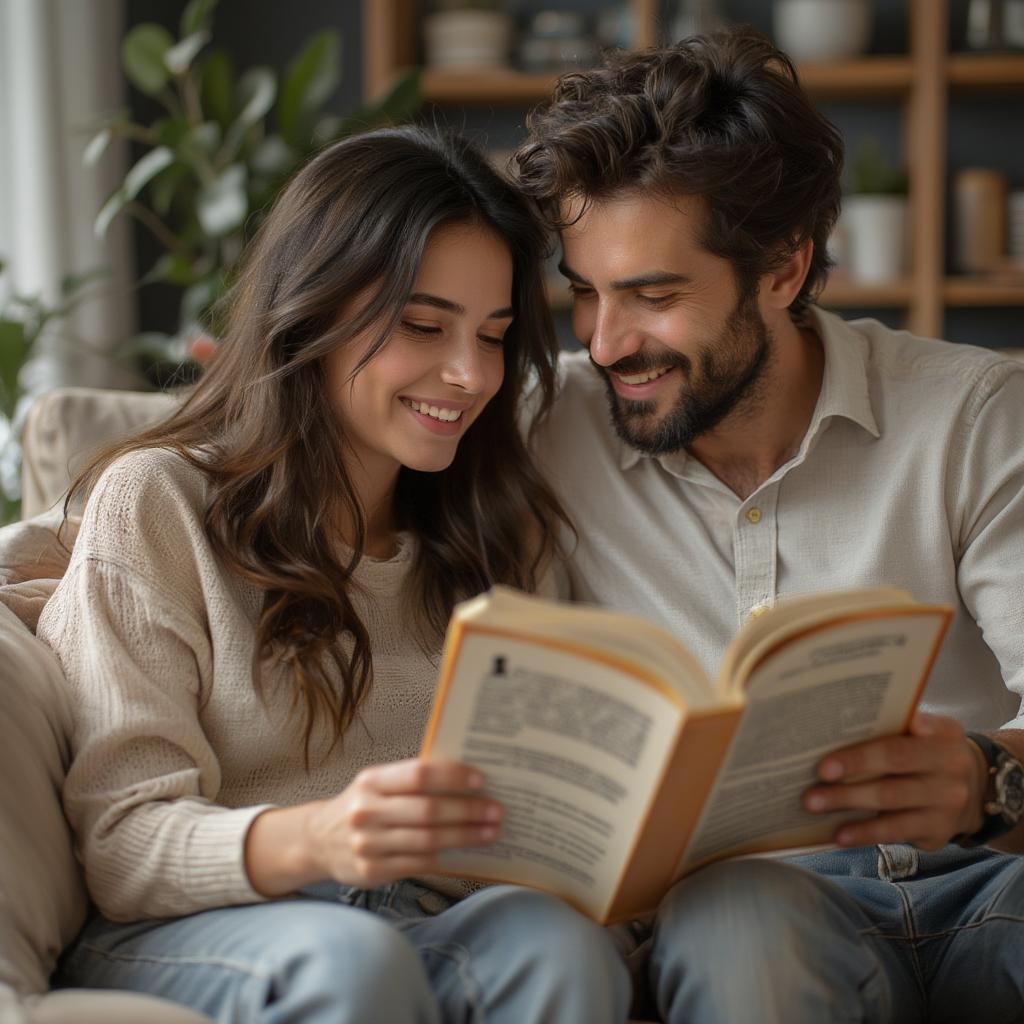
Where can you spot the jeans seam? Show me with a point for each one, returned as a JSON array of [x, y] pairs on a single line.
[[971, 926], [185, 961], [911, 926], [459, 955]]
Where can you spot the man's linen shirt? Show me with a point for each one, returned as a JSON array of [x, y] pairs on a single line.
[[911, 474]]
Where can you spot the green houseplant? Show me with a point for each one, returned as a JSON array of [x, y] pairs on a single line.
[[216, 157], [23, 320], [875, 216]]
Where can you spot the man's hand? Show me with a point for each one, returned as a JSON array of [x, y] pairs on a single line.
[[925, 787]]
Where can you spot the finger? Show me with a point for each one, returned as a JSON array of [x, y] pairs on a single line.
[[392, 842], [389, 811], [891, 755], [942, 726], [926, 829], [888, 793], [422, 775]]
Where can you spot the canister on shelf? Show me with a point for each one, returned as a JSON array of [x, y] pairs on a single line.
[[979, 219]]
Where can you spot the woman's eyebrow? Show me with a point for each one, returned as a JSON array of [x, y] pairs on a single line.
[[425, 299]]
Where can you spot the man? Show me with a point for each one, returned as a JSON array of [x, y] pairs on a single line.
[[759, 447]]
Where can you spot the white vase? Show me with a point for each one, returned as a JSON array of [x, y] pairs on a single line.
[[822, 29], [470, 39], [876, 236]]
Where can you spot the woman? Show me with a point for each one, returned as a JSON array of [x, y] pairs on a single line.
[[252, 617]]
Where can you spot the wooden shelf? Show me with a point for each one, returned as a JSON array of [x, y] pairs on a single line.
[[922, 81], [473, 88], [988, 73], [866, 78], [845, 294], [977, 291], [869, 78]]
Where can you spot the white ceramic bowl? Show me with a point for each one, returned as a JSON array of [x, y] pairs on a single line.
[[822, 29]]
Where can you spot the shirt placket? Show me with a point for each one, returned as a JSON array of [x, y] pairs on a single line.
[[755, 545]]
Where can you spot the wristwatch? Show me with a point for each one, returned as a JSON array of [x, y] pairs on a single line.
[[1004, 793]]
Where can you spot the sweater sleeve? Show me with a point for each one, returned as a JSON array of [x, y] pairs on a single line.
[[141, 791]]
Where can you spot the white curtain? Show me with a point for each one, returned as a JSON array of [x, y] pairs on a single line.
[[59, 76]]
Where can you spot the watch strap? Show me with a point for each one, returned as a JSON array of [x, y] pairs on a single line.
[[993, 824]]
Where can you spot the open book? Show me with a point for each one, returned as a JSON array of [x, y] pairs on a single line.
[[622, 766]]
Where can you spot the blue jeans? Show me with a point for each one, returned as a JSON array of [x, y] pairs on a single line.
[[886, 935], [402, 953]]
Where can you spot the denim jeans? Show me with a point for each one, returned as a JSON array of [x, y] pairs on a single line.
[[334, 955], [886, 935]]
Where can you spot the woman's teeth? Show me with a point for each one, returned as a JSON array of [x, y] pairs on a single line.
[[643, 378], [434, 411]]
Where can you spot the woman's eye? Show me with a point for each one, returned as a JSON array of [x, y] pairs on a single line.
[[489, 339], [422, 329]]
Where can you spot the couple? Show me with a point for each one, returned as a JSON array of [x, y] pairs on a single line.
[[251, 620]]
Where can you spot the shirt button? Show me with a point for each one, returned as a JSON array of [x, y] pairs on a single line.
[[757, 610], [753, 515]]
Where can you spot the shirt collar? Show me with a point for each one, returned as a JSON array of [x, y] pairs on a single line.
[[844, 388]]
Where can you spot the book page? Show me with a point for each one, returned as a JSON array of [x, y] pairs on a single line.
[[831, 687], [571, 745]]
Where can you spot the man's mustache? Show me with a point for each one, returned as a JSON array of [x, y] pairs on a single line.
[[643, 362]]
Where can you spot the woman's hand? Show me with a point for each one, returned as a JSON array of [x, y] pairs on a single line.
[[389, 823]]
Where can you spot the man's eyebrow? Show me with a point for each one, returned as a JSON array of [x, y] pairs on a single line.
[[655, 277], [425, 299]]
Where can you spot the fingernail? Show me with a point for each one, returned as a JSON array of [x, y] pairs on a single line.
[[831, 770], [476, 781], [488, 833], [845, 837], [816, 802], [493, 813]]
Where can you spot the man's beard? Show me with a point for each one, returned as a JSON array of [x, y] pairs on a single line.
[[731, 370]]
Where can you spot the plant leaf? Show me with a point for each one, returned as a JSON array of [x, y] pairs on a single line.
[[218, 87], [172, 268], [147, 168], [273, 157], [180, 56], [197, 16], [142, 56], [223, 205], [97, 147], [14, 349], [312, 77], [257, 90]]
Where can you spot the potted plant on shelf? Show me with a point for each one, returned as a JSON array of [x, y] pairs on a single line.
[[875, 217]]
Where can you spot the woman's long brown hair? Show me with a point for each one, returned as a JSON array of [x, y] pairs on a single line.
[[259, 423]]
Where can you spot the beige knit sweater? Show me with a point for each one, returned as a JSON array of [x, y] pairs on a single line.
[[174, 752]]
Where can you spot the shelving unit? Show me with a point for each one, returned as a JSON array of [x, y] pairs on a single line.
[[921, 81]]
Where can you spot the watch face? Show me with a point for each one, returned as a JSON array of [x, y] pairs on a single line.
[[1010, 789]]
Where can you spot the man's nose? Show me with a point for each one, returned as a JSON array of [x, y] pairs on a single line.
[[612, 338]]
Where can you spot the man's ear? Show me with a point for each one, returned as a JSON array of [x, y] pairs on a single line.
[[780, 287]]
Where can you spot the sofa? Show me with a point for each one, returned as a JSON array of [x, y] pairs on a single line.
[[43, 901]]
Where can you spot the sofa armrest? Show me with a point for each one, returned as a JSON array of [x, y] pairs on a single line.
[[66, 426]]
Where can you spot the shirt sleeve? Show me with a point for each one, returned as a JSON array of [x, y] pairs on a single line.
[[140, 793], [990, 507]]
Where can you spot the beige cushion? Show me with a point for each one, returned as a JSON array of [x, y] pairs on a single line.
[[77, 1006], [42, 897], [67, 425]]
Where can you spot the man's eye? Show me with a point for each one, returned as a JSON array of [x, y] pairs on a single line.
[[655, 300], [578, 291]]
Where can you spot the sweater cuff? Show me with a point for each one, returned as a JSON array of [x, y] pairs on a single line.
[[215, 857]]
